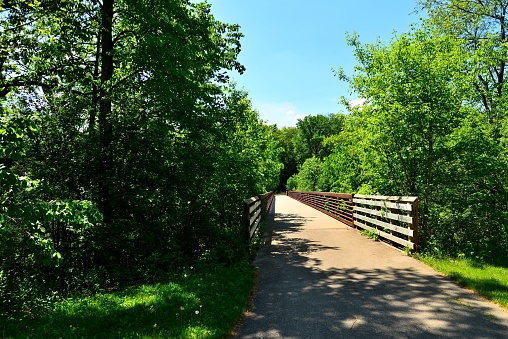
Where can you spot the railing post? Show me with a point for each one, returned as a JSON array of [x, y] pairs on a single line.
[[353, 210], [411, 227], [415, 224], [246, 222], [264, 202]]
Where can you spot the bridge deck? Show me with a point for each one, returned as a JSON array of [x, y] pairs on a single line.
[[319, 278]]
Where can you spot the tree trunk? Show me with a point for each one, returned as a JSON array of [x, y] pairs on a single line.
[[95, 90], [106, 132]]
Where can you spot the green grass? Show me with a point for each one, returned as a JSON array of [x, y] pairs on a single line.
[[203, 302], [487, 280]]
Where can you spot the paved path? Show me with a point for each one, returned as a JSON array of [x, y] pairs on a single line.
[[319, 278]]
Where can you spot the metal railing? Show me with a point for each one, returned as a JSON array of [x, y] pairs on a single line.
[[393, 218], [336, 205]]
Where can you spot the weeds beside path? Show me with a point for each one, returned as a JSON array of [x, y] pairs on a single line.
[[203, 302], [486, 280]]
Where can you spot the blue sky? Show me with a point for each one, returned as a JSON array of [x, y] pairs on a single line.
[[291, 46]]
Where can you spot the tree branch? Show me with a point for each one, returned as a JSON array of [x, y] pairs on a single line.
[[483, 97], [123, 34]]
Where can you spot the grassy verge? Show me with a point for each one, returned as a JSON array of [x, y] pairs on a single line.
[[204, 302], [487, 280]]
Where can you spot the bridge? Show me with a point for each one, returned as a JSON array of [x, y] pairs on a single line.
[[320, 278]]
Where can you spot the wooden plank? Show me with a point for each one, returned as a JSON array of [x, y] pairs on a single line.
[[249, 201], [412, 238], [245, 223], [386, 197], [401, 230], [255, 206], [382, 214], [254, 217], [387, 235], [264, 196], [399, 206], [328, 194], [269, 203], [254, 227]]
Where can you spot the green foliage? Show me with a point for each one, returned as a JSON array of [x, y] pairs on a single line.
[[342, 170], [28, 221], [202, 302], [311, 133], [481, 24], [472, 202], [127, 111], [286, 139], [489, 281], [370, 234], [313, 137], [308, 177]]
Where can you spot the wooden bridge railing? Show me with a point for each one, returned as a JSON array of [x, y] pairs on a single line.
[[254, 210], [394, 218]]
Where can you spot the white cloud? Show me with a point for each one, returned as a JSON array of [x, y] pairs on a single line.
[[280, 113], [300, 116], [356, 102]]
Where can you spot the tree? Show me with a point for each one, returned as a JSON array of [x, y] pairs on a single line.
[[312, 131], [131, 111], [308, 177], [34, 230], [346, 168], [416, 105], [286, 138], [482, 24], [415, 110]]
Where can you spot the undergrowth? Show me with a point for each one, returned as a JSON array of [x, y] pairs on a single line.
[[370, 234], [202, 302]]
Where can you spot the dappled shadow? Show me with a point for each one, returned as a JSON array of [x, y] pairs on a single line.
[[298, 298], [163, 310], [110, 317], [299, 302], [279, 241]]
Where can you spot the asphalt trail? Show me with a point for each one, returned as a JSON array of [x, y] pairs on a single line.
[[319, 278]]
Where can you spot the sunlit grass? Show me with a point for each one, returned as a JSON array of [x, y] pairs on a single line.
[[487, 280], [203, 302]]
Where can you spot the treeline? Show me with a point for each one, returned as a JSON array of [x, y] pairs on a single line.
[[433, 125], [124, 149]]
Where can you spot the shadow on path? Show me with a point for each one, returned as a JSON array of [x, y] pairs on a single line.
[[300, 298]]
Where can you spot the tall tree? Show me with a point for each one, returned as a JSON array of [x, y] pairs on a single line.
[[286, 138], [413, 131], [312, 131], [483, 25], [105, 124], [133, 111]]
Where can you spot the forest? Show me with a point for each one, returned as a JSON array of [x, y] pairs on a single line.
[[125, 151], [125, 148]]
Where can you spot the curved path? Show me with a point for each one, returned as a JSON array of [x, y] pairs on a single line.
[[319, 278]]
